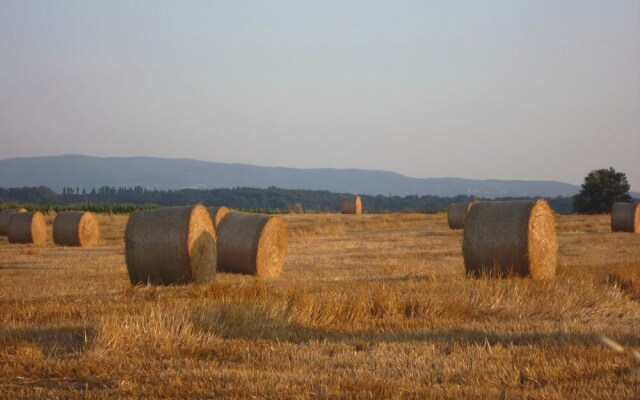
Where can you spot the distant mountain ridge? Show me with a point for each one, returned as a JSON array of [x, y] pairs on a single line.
[[168, 173]]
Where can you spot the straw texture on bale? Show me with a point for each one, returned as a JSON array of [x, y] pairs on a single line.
[[253, 244], [352, 205], [217, 213], [503, 238], [625, 217], [76, 228], [27, 227], [173, 245], [4, 218], [457, 213]]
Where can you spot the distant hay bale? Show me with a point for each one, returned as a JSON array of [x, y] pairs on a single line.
[[217, 213], [253, 244], [76, 228], [298, 208], [50, 216], [351, 205], [457, 213], [27, 227], [625, 217], [510, 237], [4, 218], [173, 245]]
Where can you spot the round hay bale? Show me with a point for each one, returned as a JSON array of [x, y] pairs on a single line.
[[457, 213], [5, 215], [76, 228], [173, 245], [217, 213], [351, 205], [502, 238], [27, 227], [253, 244], [625, 217]]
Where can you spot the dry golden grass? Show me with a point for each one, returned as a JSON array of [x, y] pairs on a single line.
[[375, 306]]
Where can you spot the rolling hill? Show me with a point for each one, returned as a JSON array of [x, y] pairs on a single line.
[[164, 173]]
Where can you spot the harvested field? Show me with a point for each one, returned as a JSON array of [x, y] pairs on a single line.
[[373, 307]]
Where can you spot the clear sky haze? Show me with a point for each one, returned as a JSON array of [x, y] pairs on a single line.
[[475, 89]]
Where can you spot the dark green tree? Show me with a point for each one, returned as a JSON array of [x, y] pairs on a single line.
[[601, 188]]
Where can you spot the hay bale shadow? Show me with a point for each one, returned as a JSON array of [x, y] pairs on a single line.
[[58, 341], [253, 322]]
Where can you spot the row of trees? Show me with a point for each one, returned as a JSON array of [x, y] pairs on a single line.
[[600, 190], [240, 198]]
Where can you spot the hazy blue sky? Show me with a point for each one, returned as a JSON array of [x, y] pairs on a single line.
[[475, 89]]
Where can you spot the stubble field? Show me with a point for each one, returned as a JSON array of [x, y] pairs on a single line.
[[372, 306]]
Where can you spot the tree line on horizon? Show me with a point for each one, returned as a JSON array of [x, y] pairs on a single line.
[[271, 199], [601, 188]]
